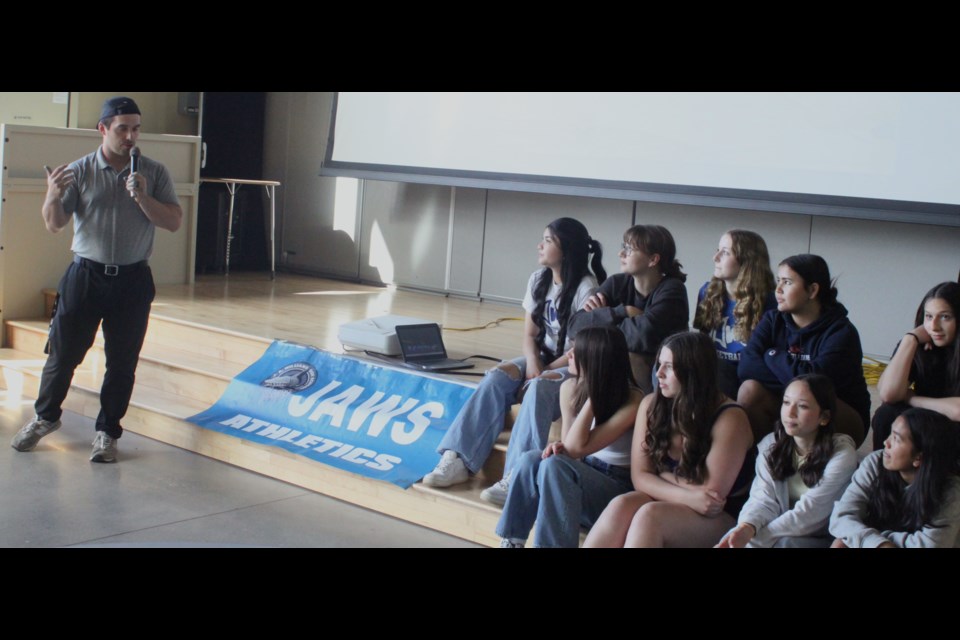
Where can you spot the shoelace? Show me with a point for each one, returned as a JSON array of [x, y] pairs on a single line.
[[445, 464]]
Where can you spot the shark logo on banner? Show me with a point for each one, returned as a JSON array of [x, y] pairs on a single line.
[[293, 377], [354, 415]]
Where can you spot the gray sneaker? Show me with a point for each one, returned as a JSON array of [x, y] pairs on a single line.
[[104, 448], [28, 437]]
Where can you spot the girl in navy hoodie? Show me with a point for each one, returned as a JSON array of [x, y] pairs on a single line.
[[808, 332]]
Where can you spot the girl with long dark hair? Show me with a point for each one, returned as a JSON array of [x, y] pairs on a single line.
[[907, 495], [730, 305], [802, 469], [570, 482], [554, 293], [647, 301], [808, 332], [690, 462], [928, 357]]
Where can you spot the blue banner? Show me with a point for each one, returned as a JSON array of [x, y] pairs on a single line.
[[348, 413]]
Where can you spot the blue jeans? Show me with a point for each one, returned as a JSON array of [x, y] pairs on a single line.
[[560, 494], [541, 406], [475, 429]]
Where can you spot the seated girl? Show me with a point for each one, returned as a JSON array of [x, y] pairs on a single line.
[[807, 333], [647, 301], [802, 470], [570, 482], [907, 495], [691, 462], [730, 305], [554, 293], [928, 357]]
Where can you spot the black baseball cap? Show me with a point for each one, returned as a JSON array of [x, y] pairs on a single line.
[[118, 106]]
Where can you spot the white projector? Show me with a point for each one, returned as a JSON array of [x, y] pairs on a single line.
[[376, 334]]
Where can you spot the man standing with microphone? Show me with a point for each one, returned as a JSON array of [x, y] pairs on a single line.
[[116, 198]]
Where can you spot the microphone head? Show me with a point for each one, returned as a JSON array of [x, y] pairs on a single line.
[[134, 159]]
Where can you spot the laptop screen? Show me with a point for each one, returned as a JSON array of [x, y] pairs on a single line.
[[419, 341]]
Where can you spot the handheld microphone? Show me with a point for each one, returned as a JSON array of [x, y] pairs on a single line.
[[134, 159], [134, 164]]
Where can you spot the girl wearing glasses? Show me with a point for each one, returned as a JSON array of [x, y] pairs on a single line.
[[647, 300]]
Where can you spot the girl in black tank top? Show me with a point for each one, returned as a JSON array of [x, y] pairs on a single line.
[[691, 450]]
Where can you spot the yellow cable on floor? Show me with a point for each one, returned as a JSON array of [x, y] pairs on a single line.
[[872, 370], [492, 323]]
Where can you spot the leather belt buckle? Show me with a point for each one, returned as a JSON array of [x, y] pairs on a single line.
[[111, 269]]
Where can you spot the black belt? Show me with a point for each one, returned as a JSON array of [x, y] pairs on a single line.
[[109, 269]]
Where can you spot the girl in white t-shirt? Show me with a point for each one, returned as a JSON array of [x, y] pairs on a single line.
[[554, 293]]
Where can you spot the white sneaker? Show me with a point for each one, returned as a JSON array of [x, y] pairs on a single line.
[[508, 543], [497, 492], [449, 471]]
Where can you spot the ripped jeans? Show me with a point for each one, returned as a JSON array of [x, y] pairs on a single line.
[[475, 429]]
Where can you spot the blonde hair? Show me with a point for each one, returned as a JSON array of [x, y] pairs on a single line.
[[754, 285]]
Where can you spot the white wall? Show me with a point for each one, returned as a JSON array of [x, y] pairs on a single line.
[[159, 109], [35, 108], [295, 140], [514, 225], [883, 270]]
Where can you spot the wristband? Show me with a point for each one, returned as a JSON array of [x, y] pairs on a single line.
[[914, 336]]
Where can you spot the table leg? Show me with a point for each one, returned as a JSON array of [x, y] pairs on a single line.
[[271, 193], [232, 188]]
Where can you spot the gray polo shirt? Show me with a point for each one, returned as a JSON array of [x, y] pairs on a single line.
[[108, 226]]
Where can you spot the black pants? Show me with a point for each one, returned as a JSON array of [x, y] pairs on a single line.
[[86, 296]]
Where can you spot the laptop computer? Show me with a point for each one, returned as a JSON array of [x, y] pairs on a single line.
[[422, 348]]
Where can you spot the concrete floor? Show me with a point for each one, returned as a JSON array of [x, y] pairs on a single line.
[[157, 495]]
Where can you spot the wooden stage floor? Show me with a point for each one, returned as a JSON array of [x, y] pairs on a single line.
[[310, 310]]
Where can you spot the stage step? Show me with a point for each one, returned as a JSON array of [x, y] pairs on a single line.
[[176, 370], [185, 367]]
